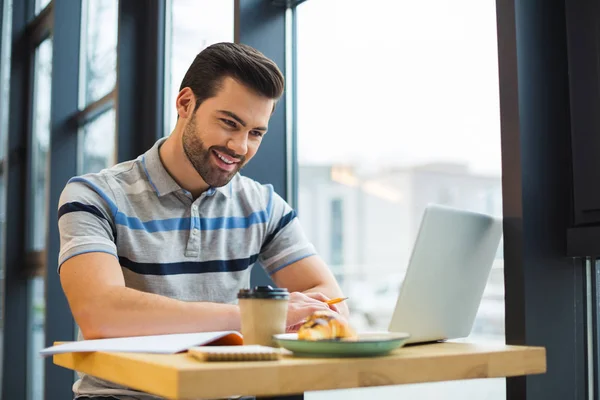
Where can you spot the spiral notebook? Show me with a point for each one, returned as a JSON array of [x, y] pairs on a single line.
[[235, 353]]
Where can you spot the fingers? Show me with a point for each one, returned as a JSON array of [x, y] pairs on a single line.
[[301, 306], [294, 328], [314, 298], [308, 297], [335, 308], [321, 297], [318, 307], [317, 296]]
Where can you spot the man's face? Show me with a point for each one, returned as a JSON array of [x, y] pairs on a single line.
[[226, 131]]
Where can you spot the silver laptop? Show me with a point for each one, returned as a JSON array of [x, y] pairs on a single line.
[[448, 270]]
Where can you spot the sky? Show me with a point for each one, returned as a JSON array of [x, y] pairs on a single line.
[[381, 82], [401, 83]]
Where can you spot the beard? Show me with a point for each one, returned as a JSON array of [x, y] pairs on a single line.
[[201, 157]]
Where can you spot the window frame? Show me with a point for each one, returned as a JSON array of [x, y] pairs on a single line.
[[140, 47], [25, 35], [63, 166]]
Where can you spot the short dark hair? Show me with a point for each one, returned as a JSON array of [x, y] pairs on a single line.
[[238, 61]]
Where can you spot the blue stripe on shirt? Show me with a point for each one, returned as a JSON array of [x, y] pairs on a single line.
[[111, 204], [283, 222], [176, 224], [182, 224], [160, 225], [302, 257], [188, 267], [76, 206], [148, 175]]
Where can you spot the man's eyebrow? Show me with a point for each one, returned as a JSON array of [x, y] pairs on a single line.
[[241, 121]]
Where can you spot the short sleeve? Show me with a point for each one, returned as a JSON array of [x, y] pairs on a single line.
[[86, 218], [285, 242]]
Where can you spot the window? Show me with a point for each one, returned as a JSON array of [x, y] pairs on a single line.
[[97, 83], [98, 143], [398, 113], [98, 50], [40, 144], [40, 5], [192, 26], [337, 233], [5, 48], [38, 209]]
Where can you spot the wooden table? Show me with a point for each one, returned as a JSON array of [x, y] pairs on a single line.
[[179, 376]]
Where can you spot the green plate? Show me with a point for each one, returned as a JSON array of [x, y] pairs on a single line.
[[368, 344]]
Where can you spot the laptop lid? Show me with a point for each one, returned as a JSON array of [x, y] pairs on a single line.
[[447, 274]]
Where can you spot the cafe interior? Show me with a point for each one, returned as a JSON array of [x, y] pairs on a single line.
[[390, 106]]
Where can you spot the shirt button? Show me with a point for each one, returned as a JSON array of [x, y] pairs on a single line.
[[194, 208]]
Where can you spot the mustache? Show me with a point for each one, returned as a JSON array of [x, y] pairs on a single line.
[[228, 152]]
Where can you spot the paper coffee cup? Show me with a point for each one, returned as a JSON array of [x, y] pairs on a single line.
[[263, 311]]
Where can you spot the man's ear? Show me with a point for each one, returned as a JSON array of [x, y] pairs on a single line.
[[185, 103]]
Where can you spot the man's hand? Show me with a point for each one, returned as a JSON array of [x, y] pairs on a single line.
[[321, 297], [301, 306], [311, 276]]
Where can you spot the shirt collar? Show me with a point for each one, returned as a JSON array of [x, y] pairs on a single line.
[[161, 181]]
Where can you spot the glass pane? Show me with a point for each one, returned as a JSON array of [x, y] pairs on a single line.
[[395, 115], [40, 5], [5, 47], [98, 143], [99, 49], [193, 26], [37, 338], [38, 212], [39, 147]]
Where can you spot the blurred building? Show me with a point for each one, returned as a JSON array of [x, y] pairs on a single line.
[[364, 226]]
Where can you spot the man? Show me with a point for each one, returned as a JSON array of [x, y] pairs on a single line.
[[163, 243]]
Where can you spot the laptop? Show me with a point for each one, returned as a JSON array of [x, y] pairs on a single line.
[[447, 273]]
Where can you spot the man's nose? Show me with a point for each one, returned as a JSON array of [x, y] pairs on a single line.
[[238, 144]]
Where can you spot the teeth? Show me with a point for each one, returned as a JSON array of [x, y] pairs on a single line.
[[226, 161]]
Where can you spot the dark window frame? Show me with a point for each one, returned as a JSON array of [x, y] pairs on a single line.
[[25, 35], [140, 76], [60, 325]]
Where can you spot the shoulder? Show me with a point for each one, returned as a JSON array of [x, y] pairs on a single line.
[[252, 190], [101, 186], [258, 194], [242, 185]]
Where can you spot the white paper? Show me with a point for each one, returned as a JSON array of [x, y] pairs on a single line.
[[158, 344]]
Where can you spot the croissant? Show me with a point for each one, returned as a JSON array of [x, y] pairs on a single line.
[[325, 325]]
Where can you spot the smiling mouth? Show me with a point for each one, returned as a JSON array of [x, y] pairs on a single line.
[[224, 158], [225, 161]]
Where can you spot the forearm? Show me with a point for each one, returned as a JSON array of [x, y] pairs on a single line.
[[127, 312]]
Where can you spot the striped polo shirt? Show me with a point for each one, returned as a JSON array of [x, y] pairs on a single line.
[[171, 244]]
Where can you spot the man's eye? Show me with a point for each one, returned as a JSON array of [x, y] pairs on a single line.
[[256, 133], [229, 122]]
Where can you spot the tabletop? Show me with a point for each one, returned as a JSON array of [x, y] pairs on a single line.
[[180, 376]]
